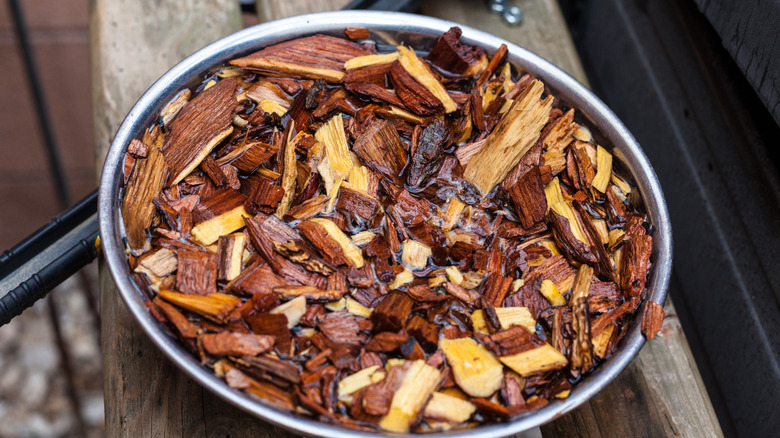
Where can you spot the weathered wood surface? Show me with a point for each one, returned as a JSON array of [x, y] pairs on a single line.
[[133, 43]]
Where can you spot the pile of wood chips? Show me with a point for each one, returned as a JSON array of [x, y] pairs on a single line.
[[383, 240]]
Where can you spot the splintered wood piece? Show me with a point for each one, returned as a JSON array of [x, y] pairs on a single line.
[[507, 317], [357, 203], [415, 254], [341, 327], [356, 33], [468, 296], [603, 169], [307, 209], [272, 324], [537, 360], [219, 215], [265, 197], [382, 150], [652, 319], [268, 366], [267, 392], [182, 324], [289, 172], [314, 57], [332, 243], [444, 407], [426, 333], [236, 344], [216, 306], [198, 128], [450, 55], [386, 341], [415, 95], [475, 369], [581, 349], [516, 131], [570, 234], [635, 263], [264, 231], [249, 156], [230, 250], [157, 264], [496, 61], [359, 380], [146, 181], [197, 272], [293, 310], [384, 60], [558, 137], [416, 388], [312, 293], [332, 135], [529, 199], [255, 280], [298, 252], [419, 71]]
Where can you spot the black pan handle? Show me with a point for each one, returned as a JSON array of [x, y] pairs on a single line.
[[46, 258]]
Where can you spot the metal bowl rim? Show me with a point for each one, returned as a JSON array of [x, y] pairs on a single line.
[[147, 108]]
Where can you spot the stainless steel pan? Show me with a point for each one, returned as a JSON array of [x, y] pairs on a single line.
[[386, 28]]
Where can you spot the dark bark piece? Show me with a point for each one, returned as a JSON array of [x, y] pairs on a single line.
[[357, 204], [427, 155], [426, 333], [568, 243], [319, 238], [275, 367], [307, 209], [381, 150], [374, 74], [379, 93], [450, 55], [264, 230], [296, 251], [414, 95], [495, 288], [254, 155], [236, 344], [198, 128], [387, 341], [210, 167], [315, 95], [220, 202], [377, 248], [516, 339], [264, 198], [146, 181], [256, 279], [138, 149], [197, 272], [341, 327], [391, 313], [273, 324], [652, 319], [528, 197]]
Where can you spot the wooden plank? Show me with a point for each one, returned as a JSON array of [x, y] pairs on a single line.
[[748, 30], [132, 44]]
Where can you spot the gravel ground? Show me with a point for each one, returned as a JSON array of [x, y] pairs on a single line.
[[34, 399]]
